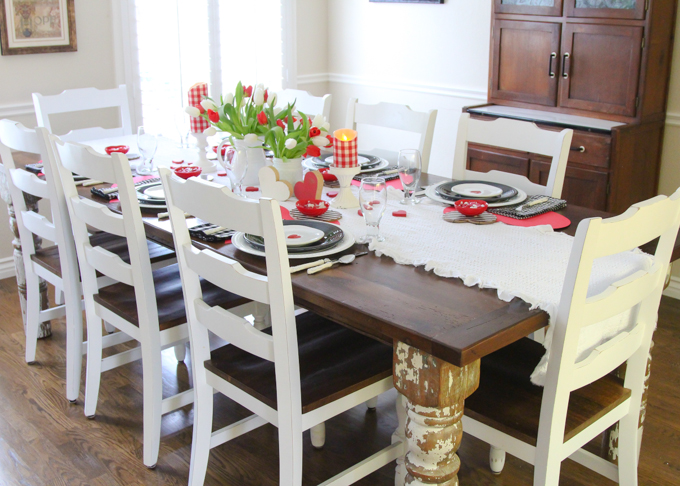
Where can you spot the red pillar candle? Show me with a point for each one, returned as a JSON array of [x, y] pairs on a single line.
[[196, 94], [345, 149]]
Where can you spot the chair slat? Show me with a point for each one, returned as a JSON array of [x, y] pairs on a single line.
[[99, 216], [235, 330], [30, 183], [39, 225], [93, 133], [109, 264], [88, 165], [227, 274], [390, 115]]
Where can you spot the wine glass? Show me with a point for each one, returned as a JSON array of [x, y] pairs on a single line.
[[182, 126], [236, 165], [409, 165], [373, 202], [147, 144]]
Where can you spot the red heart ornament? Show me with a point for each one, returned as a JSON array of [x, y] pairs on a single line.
[[332, 194], [310, 187], [252, 189], [399, 214]]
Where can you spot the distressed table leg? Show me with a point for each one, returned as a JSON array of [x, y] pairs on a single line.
[[45, 329], [400, 436], [435, 392]]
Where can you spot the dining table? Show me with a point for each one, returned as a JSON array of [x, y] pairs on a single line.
[[439, 328]]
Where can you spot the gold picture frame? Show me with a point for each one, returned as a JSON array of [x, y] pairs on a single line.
[[37, 26]]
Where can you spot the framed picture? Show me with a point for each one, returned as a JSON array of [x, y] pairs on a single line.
[[37, 26], [408, 1]]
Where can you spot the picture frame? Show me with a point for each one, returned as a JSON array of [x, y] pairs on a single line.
[[407, 1], [37, 26]]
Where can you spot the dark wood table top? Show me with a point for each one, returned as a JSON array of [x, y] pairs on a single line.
[[378, 297]]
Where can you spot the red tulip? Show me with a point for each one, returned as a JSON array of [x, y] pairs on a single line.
[[248, 92], [313, 151], [262, 118], [314, 132], [213, 116], [281, 124], [200, 108], [330, 141], [266, 95]]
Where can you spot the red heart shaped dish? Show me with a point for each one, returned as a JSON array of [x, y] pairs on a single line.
[[186, 172], [123, 149], [471, 207], [312, 207]]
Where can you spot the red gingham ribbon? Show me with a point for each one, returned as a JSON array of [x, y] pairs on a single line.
[[196, 94], [345, 153]]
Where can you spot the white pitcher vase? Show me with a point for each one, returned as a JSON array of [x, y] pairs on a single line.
[[254, 154], [289, 170]]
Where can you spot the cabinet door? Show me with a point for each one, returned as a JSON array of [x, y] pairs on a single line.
[[600, 68], [529, 7], [582, 187], [482, 158], [525, 62], [609, 9]]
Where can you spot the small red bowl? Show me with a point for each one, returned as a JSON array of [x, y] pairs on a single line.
[[312, 207], [123, 149], [186, 172], [471, 207]]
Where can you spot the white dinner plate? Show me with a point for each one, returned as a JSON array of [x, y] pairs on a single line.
[[154, 191], [239, 241], [308, 164], [432, 194], [477, 189], [298, 235]]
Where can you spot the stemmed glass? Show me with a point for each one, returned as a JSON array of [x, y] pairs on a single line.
[[409, 166], [236, 166], [147, 144], [373, 202], [182, 126]]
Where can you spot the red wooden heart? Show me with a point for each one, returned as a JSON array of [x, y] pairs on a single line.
[[310, 187], [293, 237], [399, 214]]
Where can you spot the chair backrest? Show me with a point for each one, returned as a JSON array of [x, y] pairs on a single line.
[[115, 169], [634, 299], [15, 136], [396, 117], [83, 99], [217, 204], [306, 102], [515, 135]]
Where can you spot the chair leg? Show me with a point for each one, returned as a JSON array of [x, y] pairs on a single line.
[[548, 473], [93, 374], [32, 315], [290, 454], [318, 434], [372, 404], [152, 370], [628, 449], [110, 328], [59, 297], [200, 445], [74, 343], [496, 459], [180, 351]]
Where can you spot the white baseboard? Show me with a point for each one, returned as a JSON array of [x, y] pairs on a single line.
[[7, 268], [673, 289]]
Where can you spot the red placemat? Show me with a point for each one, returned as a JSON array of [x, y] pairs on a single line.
[[557, 221], [135, 179]]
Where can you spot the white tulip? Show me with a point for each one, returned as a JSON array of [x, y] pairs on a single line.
[[252, 140], [192, 111], [326, 127], [229, 98], [244, 101], [272, 99], [210, 131], [291, 144], [260, 86], [318, 121], [320, 141], [277, 110], [208, 105], [259, 97]]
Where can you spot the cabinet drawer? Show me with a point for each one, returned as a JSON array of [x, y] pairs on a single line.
[[590, 149], [587, 188], [482, 158]]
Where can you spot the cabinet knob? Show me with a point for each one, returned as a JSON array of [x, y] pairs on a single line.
[[578, 149]]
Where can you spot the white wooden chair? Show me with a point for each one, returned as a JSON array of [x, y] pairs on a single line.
[[581, 399], [515, 135], [295, 376], [306, 102], [72, 100], [145, 304], [396, 117]]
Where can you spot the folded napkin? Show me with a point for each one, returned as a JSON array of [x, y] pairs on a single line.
[[220, 236], [389, 177], [552, 204], [100, 191]]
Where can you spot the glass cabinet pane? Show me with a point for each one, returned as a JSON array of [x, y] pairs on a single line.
[[618, 4], [532, 3]]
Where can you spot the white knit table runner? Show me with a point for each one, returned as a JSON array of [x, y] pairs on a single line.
[[529, 263]]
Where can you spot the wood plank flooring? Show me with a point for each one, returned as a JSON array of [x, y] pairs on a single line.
[[44, 440]]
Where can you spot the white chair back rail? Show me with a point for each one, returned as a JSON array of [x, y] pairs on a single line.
[[83, 99], [515, 135], [306, 102], [397, 117]]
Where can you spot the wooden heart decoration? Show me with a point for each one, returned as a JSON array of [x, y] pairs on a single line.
[[271, 186], [311, 187]]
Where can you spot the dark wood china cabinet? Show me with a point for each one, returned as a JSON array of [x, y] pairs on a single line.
[[600, 67]]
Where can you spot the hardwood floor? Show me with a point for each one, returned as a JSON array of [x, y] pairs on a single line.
[[44, 440]]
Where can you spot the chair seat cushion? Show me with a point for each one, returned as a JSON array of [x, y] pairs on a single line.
[[334, 362], [507, 400], [120, 298], [49, 257]]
